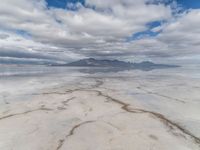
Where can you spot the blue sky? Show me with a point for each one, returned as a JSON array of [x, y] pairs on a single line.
[[65, 30], [62, 3], [187, 4]]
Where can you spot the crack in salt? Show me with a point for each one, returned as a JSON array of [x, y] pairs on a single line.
[[161, 95], [125, 106], [26, 112], [161, 117], [71, 133], [67, 101]]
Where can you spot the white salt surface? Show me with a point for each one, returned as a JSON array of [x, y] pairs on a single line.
[[130, 110]]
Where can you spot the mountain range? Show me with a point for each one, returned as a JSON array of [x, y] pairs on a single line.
[[91, 62]]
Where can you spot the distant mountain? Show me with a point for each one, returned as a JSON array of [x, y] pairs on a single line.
[[147, 65], [91, 62]]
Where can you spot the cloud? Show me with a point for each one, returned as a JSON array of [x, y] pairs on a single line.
[[4, 36], [183, 34], [16, 46], [97, 28]]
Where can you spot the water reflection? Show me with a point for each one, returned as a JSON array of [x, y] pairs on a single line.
[[94, 70], [6, 71]]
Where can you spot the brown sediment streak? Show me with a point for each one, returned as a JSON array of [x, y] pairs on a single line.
[[71, 133], [67, 101], [161, 95], [59, 93], [51, 93], [56, 93], [60, 144], [96, 85], [62, 93], [126, 107], [170, 124], [26, 112], [161, 117], [77, 126]]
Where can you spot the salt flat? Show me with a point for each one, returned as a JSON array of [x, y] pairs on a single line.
[[103, 111]]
